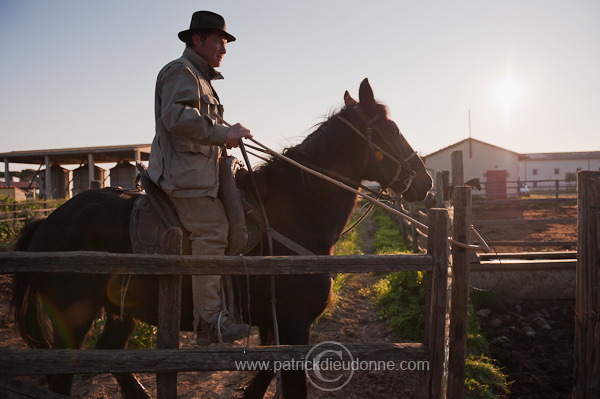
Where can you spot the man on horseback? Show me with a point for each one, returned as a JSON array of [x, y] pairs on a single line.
[[184, 160]]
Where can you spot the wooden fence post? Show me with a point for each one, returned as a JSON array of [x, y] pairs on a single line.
[[587, 307], [169, 313], [412, 212], [439, 190], [402, 224], [461, 199], [446, 183], [436, 303], [458, 178]]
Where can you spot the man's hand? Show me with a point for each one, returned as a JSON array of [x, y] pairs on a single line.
[[235, 133]]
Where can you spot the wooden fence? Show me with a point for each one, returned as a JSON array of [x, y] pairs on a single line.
[[168, 359], [19, 211], [413, 234]]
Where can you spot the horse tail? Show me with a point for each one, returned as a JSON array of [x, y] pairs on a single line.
[[31, 323]]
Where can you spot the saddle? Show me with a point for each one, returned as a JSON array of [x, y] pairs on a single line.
[[153, 214]]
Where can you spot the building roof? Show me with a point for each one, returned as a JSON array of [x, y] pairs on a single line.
[[20, 184], [76, 156], [554, 156], [466, 141]]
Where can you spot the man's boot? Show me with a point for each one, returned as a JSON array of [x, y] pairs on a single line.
[[212, 323]]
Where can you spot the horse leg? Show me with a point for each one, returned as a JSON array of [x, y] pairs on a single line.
[[294, 332], [260, 383], [115, 335], [291, 332], [69, 329]]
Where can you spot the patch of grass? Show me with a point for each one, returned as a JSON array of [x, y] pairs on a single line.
[[143, 336], [483, 379], [401, 296], [350, 243], [336, 297], [388, 239]]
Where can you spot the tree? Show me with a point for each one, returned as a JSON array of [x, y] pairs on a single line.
[[27, 174]]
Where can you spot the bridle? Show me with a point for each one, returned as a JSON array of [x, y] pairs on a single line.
[[401, 162]]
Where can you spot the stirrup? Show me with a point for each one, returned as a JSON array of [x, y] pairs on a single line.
[[216, 337]]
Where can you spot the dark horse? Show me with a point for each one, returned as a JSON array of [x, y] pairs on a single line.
[[358, 142], [474, 183]]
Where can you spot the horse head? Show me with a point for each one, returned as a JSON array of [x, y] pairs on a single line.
[[390, 160], [475, 183]]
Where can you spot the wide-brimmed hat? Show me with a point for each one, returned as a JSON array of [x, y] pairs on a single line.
[[206, 20]]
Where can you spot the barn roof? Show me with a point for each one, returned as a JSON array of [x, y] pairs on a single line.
[[559, 156], [75, 156], [467, 140]]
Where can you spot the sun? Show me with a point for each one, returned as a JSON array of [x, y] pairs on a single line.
[[507, 92]]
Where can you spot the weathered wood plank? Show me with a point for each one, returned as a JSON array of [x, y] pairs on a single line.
[[169, 313], [530, 255], [456, 159], [533, 243], [525, 221], [461, 200], [109, 263], [436, 304], [543, 265], [13, 389], [587, 296], [69, 361]]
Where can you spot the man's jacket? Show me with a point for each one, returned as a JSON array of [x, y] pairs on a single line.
[[185, 150]]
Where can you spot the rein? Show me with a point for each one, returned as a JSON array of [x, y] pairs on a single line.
[[329, 173], [483, 246]]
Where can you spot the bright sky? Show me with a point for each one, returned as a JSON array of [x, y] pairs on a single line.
[[82, 73]]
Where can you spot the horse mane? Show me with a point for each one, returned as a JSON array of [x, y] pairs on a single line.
[[316, 146]]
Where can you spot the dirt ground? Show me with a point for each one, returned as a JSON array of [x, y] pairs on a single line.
[[354, 320], [495, 221], [531, 340]]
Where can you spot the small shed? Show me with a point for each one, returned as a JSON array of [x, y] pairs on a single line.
[[13, 193]]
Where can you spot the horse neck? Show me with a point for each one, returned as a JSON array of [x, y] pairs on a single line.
[[325, 208]]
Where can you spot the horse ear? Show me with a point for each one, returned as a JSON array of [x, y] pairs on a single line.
[[348, 100], [365, 94]]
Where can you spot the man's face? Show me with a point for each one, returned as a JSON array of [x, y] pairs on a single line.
[[212, 49]]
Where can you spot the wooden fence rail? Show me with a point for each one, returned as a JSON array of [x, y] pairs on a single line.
[[168, 359], [19, 211], [69, 361], [111, 263]]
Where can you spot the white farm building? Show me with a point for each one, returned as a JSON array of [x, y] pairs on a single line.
[[498, 167]]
